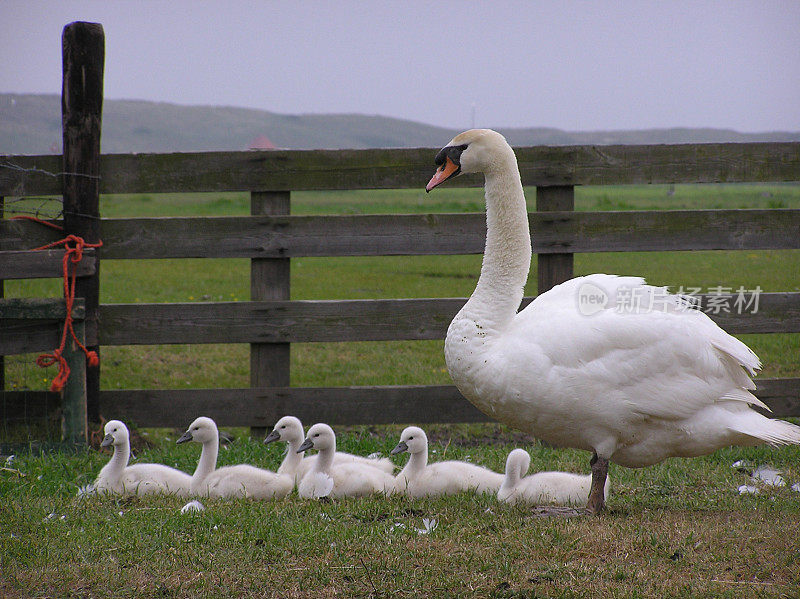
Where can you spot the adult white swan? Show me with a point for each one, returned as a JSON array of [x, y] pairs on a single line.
[[633, 382], [136, 479]]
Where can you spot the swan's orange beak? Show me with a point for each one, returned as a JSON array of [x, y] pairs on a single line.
[[443, 173]]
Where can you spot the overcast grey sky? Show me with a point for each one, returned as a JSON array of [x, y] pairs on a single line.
[[566, 64]]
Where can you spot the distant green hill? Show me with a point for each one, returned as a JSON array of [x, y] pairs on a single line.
[[31, 124]]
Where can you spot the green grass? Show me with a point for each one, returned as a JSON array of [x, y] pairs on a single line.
[[678, 529]]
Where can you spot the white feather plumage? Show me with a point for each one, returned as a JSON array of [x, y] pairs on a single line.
[[137, 479], [289, 429], [558, 488], [634, 384], [420, 479], [241, 480], [329, 478]]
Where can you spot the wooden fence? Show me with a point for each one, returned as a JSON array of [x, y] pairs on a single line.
[[271, 237]]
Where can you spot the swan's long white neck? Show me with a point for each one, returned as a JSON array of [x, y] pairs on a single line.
[[512, 477], [416, 464], [119, 460], [291, 461], [507, 256], [325, 459], [208, 461]]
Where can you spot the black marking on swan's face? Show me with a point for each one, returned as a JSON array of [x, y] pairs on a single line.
[[448, 162], [451, 152]]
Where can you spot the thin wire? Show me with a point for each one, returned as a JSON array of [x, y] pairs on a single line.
[[16, 167], [38, 210]]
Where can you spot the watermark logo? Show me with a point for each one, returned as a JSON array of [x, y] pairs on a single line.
[[591, 299], [642, 299]]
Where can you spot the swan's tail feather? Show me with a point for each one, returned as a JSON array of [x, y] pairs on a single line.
[[774, 432], [737, 356], [747, 397]]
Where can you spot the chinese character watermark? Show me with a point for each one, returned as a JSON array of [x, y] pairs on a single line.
[[642, 298]]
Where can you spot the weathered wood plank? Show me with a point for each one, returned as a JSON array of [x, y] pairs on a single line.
[[422, 234], [24, 406], [33, 324], [83, 47], [74, 416], [25, 336], [23, 235], [276, 321], [408, 168], [42, 264], [263, 407], [270, 279], [554, 268], [33, 308], [337, 405], [369, 320], [781, 395]]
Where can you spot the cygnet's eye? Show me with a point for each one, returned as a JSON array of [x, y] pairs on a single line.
[[284, 426], [316, 435], [411, 438]]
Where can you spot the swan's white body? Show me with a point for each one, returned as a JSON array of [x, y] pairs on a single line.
[[138, 479], [241, 480], [328, 477], [420, 479], [559, 488], [290, 430], [632, 382]]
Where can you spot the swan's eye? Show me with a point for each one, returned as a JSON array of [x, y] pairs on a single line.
[[284, 426], [317, 435]]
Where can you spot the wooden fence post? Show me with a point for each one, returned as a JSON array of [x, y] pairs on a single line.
[[554, 268], [269, 280], [74, 424], [83, 47]]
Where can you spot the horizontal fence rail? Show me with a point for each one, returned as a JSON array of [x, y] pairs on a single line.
[[340, 405], [419, 234], [42, 264], [300, 170], [359, 320]]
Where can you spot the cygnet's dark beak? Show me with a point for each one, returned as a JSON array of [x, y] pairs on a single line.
[[107, 440], [307, 444], [273, 436], [187, 436], [401, 447]]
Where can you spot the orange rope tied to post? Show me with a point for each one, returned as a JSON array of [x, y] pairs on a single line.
[[73, 254]]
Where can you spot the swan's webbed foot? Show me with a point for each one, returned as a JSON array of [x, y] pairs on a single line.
[[597, 502]]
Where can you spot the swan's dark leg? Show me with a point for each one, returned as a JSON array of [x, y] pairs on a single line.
[[596, 494]]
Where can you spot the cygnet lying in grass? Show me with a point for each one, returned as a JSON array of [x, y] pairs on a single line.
[[290, 430], [558, 488], [136, 479], [330, 478], [420, 479], [241, 480]]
